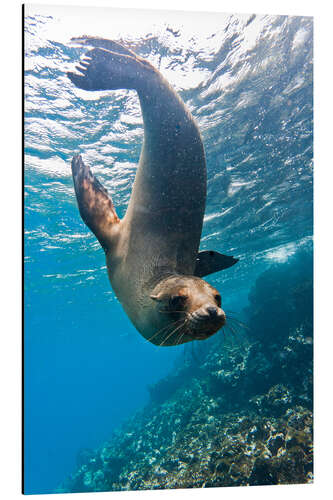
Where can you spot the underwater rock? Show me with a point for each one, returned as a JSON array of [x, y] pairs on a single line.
[[84, 456], [166, 387], [217, 429], [281, 298]]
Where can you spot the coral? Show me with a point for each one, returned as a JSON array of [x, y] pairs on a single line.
[[212, 449], [219, 429]]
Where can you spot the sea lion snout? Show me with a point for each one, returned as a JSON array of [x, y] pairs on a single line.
[[209, 316], [212, 311], [216, 313]]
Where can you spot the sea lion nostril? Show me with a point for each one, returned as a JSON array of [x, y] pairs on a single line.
[[212, 311]]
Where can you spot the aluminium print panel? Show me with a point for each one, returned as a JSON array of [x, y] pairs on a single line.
[[168, 233]]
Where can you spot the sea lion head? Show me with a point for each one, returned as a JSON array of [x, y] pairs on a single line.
[[188, 308]]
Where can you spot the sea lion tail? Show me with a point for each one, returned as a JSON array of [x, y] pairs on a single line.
[[95, 205], [104, 69]]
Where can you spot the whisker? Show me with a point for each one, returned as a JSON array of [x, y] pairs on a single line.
[[229, 335], [233, 330], [158, 331], [181, 335], [233, 327], [164, 328], [240, 330], [235, 320], [237, 337], [172, 333], [222, 338]]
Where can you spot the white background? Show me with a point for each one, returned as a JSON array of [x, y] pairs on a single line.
[[10, 261]]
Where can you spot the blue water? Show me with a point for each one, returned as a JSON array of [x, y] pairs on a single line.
[[248, 82]]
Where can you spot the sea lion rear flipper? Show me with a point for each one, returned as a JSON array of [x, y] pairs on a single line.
[[95, 205], [103, 69], [209, 262]]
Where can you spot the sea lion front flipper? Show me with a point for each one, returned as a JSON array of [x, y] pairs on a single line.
[[209, 262], [95, 205]]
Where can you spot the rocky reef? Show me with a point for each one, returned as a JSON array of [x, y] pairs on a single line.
[[234, 415]]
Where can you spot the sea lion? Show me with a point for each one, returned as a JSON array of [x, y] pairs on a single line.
[[152, 253]]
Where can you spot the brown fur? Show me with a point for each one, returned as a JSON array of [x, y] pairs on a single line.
[[152, 252]]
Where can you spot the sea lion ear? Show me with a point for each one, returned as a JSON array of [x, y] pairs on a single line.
[[209, 262]]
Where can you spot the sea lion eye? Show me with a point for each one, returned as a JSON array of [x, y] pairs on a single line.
[[177, 300], [218, 299]]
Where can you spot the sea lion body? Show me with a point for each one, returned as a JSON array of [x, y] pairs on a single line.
[[155, 246]]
